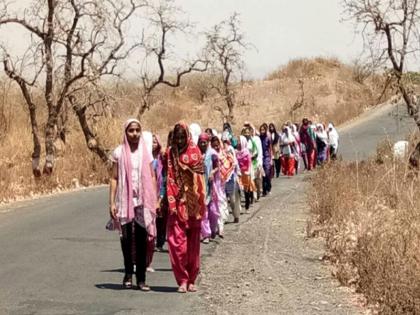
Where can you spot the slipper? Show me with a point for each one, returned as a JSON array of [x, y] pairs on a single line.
[[127, 282], [143, 287], [182, 289], [192, 288]]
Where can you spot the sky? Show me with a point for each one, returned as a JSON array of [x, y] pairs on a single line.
[[283, 29], [280, 30]]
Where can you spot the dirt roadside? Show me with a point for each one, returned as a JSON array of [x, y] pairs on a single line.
[[267, 266]]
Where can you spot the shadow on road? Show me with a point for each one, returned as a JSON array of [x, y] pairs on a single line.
[[120, 270], [164, 289], [163, 269], [110, 286], [118, 287]]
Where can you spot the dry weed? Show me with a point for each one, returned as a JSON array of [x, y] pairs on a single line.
[[371, 219]]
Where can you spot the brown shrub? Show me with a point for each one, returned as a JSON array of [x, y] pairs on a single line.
[[371, 221]]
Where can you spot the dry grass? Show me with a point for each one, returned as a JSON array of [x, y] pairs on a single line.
[[369, 213], [330, 95]]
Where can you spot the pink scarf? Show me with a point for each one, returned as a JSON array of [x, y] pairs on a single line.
[[146, 189], [243, 156]]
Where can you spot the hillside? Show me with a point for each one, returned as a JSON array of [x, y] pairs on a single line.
[[331, 93]]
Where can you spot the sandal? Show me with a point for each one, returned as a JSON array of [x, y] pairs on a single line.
[[182, 288], [143, 287], [128, 282], [192, 288]]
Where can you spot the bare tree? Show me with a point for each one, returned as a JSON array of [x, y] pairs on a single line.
[[225, 48], [391, 29], [165, 20], [72, 45], [300, 101]]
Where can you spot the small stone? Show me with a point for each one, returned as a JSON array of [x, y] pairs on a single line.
[[270, 278]]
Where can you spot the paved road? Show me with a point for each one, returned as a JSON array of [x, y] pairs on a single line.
[[359, 139], [57, 258]]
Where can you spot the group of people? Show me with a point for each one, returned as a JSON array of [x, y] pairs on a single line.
[[183, 194]]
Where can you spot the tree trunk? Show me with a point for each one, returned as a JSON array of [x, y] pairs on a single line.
[[91, 140], [413, 107], [144, 106], [230, 104], [53, 111], [36, 154], [415, 157], [50, 137]]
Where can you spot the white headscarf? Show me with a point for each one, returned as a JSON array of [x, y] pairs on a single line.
[[195, 130], [148, 139], [333, 136], [321, 133], [287, 137]]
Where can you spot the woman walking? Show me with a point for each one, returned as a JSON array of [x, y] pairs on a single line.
[[132, 200], [266, 159], [321, 144], [160, 167], [333, 139], [288, 152], [298, 146], [186, 196], [244, 160], [231, 186], [276, 148], [209, 224], [220, 177], [308, 144]]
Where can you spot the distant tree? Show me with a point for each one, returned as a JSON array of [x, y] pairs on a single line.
[[72, 45], [225, 49], [391, 29], [300, 101], [164, 20]]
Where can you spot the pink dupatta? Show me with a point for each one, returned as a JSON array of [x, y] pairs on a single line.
[[146, 189]]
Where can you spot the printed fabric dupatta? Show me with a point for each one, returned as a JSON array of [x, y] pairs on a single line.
[[226, 164], [186, 198]]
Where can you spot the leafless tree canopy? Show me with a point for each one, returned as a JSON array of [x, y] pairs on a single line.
[[165, 21], [73, 43], [225, 48], [390, 29]]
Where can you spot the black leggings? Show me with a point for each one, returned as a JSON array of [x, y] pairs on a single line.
[[141, 249], [161, 230], [249, 198], [277, 166], [266, 185]]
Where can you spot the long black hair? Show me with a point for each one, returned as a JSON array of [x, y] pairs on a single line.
[[276, 134]]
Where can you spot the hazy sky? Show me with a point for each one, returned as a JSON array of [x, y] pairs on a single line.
[[280, 29], [283, 29]]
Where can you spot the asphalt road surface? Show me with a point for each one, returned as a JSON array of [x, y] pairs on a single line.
[[57, 258], [359, 139]]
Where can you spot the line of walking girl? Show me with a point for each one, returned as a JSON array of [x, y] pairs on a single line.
[[184, 194]]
